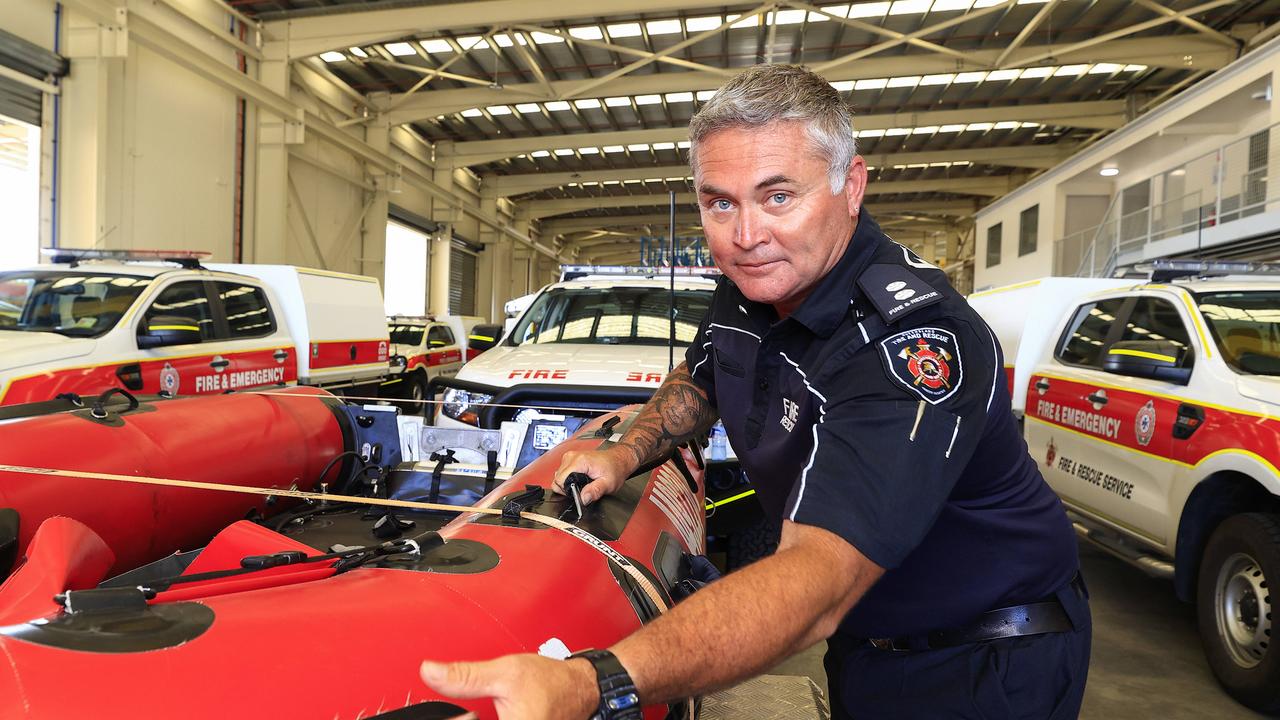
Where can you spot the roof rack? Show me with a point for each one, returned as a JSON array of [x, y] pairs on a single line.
[[412, 318], [189, 259], [573, 272], [1167, 270]]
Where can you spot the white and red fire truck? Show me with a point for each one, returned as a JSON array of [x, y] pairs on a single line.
[[1153, 409], [94, 320]]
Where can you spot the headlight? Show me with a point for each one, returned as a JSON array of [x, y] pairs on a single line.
[[464, 405]]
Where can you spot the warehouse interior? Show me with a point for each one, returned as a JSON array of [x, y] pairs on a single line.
[[460, 152]]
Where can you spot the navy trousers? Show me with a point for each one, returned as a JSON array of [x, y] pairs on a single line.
[[1035, 677]]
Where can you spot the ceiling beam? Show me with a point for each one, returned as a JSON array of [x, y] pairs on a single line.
[[1040, 157], [305, 36], [1188, 52], [1094, 114], [661, 220], [549, 208]]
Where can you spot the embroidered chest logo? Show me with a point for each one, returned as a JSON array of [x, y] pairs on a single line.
[[926, 361], [790, 413]]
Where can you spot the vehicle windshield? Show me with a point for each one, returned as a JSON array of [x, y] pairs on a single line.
[[75, 304], [1246, 327], [612, 316], [406, 334]]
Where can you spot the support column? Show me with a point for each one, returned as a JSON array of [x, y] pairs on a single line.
[[438, 284], [373, 231], [93, 192], [270, 237]]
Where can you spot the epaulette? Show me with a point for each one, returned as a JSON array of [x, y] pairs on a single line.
[[895, 291]]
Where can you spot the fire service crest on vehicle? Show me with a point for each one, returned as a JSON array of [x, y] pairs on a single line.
[[926, 361], [169, 379], [1144, 424]]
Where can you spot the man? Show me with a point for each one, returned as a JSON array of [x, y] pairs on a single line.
[[868, 405]]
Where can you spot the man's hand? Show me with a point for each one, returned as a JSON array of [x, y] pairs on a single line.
[[523, 687], [607, 468]]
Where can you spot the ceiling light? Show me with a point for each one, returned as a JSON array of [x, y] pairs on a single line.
[[699, 24], [557, 105], [436, 46], [979, 127], [539, 153], [472, 112], [332, 56], [586, 104], [591, 183], [943, 79], [950, 5], [663, 27], [638, 147], [612, 182], [870, 133], [683, 144], [871, 84], [747, 22], [528, 107], [542, 38], [1030, 125], [679, 97], [1037, 72], [617, 101], [951, 128], [586, 32], [910, 7], [613, 148], [904, 81], [1134, 68], [1002, 75], [961, 162], [1107, 68], [897, 131], [633, 181], [400, 49], [1069, 70], [624, 30], [1109, 171], [563, 151], [358, 52], [498, 110], [473, 42], [664, 146], [971, 77], [1007, 125], [926, 130], [866, 10], [842, 85], [648, 99], [705, 95], [787, 17], [589, 151]]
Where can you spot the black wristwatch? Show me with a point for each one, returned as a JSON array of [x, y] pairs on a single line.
[[618, 697]]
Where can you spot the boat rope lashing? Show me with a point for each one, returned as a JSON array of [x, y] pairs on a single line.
[[574, 531]]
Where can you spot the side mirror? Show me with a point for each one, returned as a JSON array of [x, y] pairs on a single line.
[[1152, 359], [166, 330], [483, 337]]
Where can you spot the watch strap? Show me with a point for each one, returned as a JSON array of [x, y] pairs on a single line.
[[619, 699]]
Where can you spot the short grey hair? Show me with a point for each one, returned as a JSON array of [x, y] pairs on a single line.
[[765, 94]]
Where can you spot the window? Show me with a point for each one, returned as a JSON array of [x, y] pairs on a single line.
[[248, 314], [75, 304], [439, 336], [994, 238], [185, 300], [1246, 326], [1028, 230], [1156, 319], [405, 334], [631, 315], [1083, 341]]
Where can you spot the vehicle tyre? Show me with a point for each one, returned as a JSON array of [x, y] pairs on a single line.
[[416, 394], [1234, 608], [750, 543]]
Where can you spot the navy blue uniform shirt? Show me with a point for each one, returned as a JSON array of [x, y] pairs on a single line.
[[879, 410]]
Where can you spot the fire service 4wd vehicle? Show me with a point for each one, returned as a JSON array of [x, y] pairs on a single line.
[[96, 320], [601, 338], [423, 348], [1153, 409]]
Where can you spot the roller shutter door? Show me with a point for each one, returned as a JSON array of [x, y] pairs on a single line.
[[462, 280], [19, 100]]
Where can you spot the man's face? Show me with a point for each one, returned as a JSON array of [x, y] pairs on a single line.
[[768, 214]]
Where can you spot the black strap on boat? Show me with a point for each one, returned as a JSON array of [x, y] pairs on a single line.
[[99, 409], [491, 474], [532, 495], [606, 428], [347, 558], [442, 458]]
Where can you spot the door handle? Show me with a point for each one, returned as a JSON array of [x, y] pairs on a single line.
[[280, 355], [219, 364], [1097, 398], [1042, 385]]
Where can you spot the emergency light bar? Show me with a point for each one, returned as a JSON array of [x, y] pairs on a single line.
[[74, 256], [1166, 270], [573, 272], [412, 318]]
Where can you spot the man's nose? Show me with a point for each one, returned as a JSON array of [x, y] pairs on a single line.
[[752, 229]]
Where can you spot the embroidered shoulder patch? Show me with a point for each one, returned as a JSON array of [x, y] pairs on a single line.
[[895, 291], [926, 361]]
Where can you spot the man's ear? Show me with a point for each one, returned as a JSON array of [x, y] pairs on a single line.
[[855, 184]]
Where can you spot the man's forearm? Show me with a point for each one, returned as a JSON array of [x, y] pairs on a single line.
[[678, 411], [745, 623]]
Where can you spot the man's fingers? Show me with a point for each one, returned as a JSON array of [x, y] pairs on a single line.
[[459, 680]]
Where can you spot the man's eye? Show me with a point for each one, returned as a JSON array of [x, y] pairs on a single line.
[[778, 198], [722, 204]]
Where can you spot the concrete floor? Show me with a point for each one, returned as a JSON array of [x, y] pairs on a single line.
[[1146, 662]]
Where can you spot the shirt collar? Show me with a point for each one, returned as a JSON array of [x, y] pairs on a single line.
[[828, 304]]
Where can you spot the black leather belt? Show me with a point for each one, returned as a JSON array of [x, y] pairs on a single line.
[[1038, 618]]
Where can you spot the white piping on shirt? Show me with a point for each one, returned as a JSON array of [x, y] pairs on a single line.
[[705, 354], [954, 433], [916, 426], [995, 355], [865, 339], [822, 415], [736, 329]]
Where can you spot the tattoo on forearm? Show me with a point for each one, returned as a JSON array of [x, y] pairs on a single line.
[[678, 411]]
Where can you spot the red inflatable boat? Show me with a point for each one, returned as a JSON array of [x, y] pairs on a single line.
[[299, 624], [281, 439]]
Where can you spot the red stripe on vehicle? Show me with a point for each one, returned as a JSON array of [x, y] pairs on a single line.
[[339, 353]]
